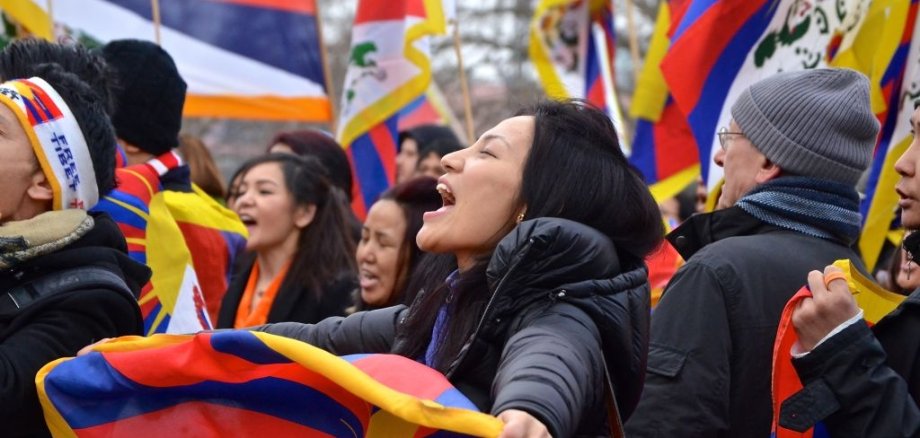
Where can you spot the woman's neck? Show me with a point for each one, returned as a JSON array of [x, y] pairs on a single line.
[[272, 262]]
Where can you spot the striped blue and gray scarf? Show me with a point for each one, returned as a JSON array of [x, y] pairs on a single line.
[[815, 207]]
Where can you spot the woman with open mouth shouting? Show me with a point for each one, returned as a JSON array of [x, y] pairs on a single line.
[[300, 264], [548, 311], [391, 266]]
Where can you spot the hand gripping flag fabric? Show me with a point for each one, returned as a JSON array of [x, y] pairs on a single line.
[[663, 148], [388, 69], [572, 46], [268, 68], [240, 383], [720, 47], [187, 239], [888, 48], [875, 302]]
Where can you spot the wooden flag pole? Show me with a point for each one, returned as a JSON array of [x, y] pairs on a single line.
[[464, 87], [633, 39], [51, 17], [327, 73], [155, 5]]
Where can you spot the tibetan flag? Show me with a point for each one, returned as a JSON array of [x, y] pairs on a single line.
[[875, 302], [430, 108], [188, 240], [244, 59], [572, 46], [388, 70], [662, 264], [721, 47], [663, 149], [894, 71], [240, 383]]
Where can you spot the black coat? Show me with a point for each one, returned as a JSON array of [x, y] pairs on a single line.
[[709, 365], [560, 298], [293, 303], [62, 324], [862, 382]]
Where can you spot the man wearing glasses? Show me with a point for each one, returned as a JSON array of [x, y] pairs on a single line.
[[792, 154]]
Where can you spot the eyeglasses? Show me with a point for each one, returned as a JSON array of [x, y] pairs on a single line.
[[723, 131]]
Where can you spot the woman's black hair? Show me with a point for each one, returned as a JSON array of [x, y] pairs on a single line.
[[439, 147], [326, 248], [322, 146], [575, 170], [233, 183]]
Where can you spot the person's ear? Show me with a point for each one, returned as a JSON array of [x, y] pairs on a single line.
[[303, 215], [768, 171], [40, 188], [520, 217]]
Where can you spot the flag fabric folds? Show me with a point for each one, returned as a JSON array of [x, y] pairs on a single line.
[[240, 383], [388, 69], [268, 68], [187, 239], [430, 108], [572, 46], [663, 148], [730, 45], [893, 62], [875, 302]]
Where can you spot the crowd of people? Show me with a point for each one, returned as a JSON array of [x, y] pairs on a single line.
[[515, 266]]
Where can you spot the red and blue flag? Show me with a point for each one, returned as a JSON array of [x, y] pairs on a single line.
[[388, 69], [664, 149], [572, 47], [871, 298], [269, 67], [188, 240], [240, 383], [719, 48]]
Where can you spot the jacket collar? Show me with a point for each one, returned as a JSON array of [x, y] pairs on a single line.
[[702, 229], [547, 252]]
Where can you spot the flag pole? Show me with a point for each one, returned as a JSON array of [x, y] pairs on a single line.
[[327, 72], [610, 89], [464, 86], [633, 39], [51, 17], [155, 6]]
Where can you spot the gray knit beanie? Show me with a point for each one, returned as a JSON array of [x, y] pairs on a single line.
[[814, 123]]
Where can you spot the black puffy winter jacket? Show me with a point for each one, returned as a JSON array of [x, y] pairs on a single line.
[[560, 299]]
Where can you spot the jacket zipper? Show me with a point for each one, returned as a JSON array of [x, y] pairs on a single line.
[[466, 346]]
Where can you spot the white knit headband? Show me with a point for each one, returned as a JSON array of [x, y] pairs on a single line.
[[56, 139]]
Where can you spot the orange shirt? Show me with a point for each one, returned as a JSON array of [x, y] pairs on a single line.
[[246, 314]]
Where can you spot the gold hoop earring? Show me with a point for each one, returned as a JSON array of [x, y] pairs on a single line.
[[520, 217]]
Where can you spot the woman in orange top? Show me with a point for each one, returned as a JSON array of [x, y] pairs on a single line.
[[300, 265]]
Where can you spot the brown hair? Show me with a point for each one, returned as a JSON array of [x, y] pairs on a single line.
[[202, 166]]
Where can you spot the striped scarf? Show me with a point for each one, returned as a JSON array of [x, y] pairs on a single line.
[[814, 207]]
